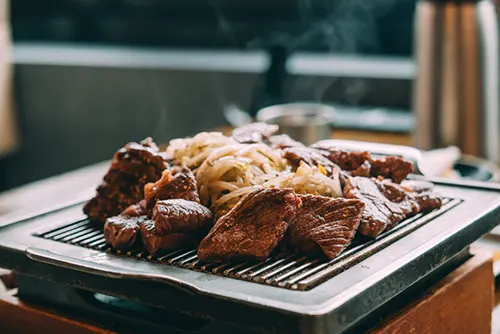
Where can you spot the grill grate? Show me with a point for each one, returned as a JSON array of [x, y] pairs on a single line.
[[289, 271]]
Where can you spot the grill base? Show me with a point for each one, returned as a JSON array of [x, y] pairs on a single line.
[[123, 315]]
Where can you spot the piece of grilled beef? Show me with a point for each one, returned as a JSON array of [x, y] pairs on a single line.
[[123, 185], [155, 242], [181, 216], [135, 210], [253, 228], [363, 170], [121, 231], [177, 182], [345, 160], [422, 193], [386, 203], [391, 167], [363, 163], [325, 225], [283, 141], [254, 132], [310, 156]]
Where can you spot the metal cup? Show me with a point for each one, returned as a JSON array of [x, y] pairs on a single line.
[[305, 122]]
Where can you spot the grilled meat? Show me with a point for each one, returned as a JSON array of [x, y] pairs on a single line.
[[422, 193], [181, 216], [386, 204], [310, 156], [394, 168], [155, 242], [417, 186], [174, 183], [283, 141], [363, 170], [253, 228], [121, 231], [345, 160], [136, 210], [325, 225], [254, 132], [131, 168], [364, 164]]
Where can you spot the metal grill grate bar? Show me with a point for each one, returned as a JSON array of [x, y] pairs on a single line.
[[290, 271]]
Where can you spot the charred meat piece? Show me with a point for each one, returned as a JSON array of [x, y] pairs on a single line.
[[310, 156], [394, 168], [363, 170], [395, 193], [174, 183], [422, 193], [385, 205], [121, 231], [155, 242], [364, 164], [417, 186], [251, 229], [345, 160], [123, 185], [136, 210], [283, 141], [146, 151], [254, 132], [181, 216], [325, 225]]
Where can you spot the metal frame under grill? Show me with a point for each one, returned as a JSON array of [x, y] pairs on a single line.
[[323, 297], [286, 270]]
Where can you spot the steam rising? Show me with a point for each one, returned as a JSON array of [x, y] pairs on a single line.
[[333, 26]]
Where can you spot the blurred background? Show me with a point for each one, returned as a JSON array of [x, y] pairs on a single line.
[[91, 75]]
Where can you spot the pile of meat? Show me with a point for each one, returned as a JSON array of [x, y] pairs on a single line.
[[146, 201]]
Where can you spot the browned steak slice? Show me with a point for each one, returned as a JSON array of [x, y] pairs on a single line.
[[174, 183], [380, 212], [123, 185], [254, 132], [251, 229], [391, 167], [155, 242], [422, 193], [362, 163], [345, 160], [121, 231], [181, 216], [325, 225], [136, 210]]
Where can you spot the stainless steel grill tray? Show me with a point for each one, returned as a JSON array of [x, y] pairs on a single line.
[[288, 271]]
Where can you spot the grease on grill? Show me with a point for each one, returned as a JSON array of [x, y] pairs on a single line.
[[289, 271]]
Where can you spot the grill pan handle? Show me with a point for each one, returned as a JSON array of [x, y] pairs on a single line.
[[101, 269]]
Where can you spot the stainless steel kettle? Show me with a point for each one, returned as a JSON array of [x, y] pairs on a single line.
[[457, 89]]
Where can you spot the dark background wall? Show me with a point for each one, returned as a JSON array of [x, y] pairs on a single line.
[[73, 112], [363, 26]]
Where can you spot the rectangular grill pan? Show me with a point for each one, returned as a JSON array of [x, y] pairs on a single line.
[[286, 294]]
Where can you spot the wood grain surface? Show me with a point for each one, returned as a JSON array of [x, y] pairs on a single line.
[[461, 303], [18, 317]]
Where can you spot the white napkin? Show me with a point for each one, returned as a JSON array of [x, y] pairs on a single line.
[[8, 134], [439, 162]]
